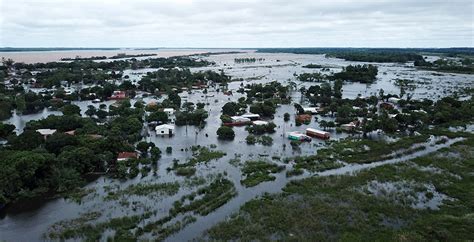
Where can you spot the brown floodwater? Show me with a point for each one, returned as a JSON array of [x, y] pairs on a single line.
[[48, 56]]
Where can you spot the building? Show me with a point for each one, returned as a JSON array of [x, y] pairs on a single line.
[[118, 95], [165, 129], [239, 120], [251, 116], [123, 156], [298, 136], [394, 100], [46, 132], [259, 122], [312, 110], [169, 111], [318, 133], [303, 118], [349, 127]]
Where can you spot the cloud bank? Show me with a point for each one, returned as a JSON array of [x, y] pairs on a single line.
[[236, 23]]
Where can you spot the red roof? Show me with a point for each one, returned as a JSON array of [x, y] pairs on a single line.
[[127, 155]]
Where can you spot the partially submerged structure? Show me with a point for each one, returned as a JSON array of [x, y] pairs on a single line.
[[318, 133], [298, 136], [165, 130]]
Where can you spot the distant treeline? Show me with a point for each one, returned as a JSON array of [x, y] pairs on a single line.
[[356, 73], [375, 54], [465, 65], [118, 56], [248, 60]]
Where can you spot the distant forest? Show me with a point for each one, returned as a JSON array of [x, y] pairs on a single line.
[[376, 54]]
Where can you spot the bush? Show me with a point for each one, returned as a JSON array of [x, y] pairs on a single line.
[[225, 133], [251, 140]]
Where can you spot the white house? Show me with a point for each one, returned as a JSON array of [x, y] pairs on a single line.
[[165, 129], [46, 132], [259, 122], [394, 100], [251, 116], [169, 111], [311, 110]]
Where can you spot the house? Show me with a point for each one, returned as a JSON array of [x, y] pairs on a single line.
[[251, 116], [118, 95], [68, 91], [394, 100], [71, 132], [169, 111], [348, 127], [259, 122], [317, 133], [239, 120], [387, 106], [312, 110], [123, 156], [165, 129], [298, 136], [303, 118], [46, 132]]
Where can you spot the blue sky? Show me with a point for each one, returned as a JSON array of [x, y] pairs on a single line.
[[236, 23]]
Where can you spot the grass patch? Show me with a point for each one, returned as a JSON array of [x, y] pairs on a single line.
[[256, 172], [141, 189], [338, 208], [206, 199]]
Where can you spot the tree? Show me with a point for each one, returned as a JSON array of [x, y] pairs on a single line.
[[6, 130], [91, 110], [159, 116], [299, 109], [155, 153], [57, 141], [71, 109], [286, 117], [225, 133], [323, 124], [231, 109], [251, 140], [143, 147], [28, 140]]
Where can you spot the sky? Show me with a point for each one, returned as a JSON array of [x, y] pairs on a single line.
[[236, 23]]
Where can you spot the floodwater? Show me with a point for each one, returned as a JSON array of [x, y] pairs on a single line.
[[29, 57], [29, 220]]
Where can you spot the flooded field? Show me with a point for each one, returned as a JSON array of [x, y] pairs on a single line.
[[31, 220]]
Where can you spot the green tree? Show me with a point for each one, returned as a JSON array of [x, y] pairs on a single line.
[[225, 133], [71, 109]]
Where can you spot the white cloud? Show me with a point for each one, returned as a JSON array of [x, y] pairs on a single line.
[[236, 23]]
